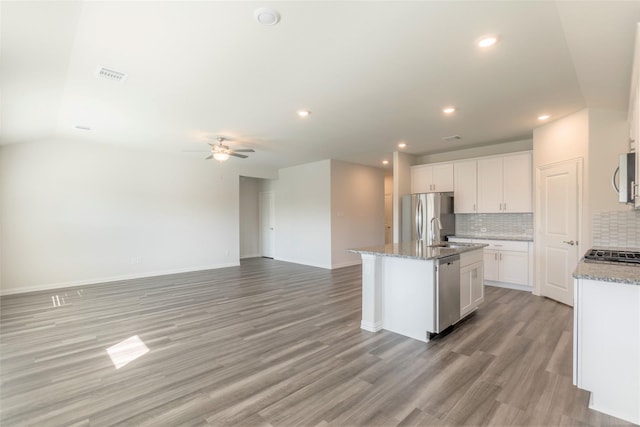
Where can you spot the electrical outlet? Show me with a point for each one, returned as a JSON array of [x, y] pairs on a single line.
[[135, 260]]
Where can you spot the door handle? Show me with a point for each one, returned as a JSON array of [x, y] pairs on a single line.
[[570, 242]]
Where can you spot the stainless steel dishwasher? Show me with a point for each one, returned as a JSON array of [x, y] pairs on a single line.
[[447, 292]]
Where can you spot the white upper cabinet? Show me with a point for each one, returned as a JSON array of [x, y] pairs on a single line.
[[430, 178], [465, 186], [504, 183], [517, 185], [490, 185]]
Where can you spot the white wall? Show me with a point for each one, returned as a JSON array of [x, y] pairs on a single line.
[[469, 153], [357, 210], [80, 212], [561, 140], [249, 226], [402, 163], [608, 138], [303, 214], [597, 136]]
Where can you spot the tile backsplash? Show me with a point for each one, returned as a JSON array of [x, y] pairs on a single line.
[[514, 225], [617, 229]]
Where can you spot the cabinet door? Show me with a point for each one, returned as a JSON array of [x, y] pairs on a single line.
[[514, 267], [465, 187], [491, 265], [443, 177], [466, 282], [421, 179], [476, 278], [490, 185], [517, 189]]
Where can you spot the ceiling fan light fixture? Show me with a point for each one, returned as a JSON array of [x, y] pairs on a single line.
[[220, 156]]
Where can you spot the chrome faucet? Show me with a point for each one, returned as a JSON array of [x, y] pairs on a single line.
[[432, 231]]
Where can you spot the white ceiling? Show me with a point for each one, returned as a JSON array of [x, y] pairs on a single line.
[[372, 73]]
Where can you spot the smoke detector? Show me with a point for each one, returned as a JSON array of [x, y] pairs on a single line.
[[110, 74], [266, 16]]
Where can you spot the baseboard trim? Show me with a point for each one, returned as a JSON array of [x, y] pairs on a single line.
[[99, 280], [371, 326], [346, 264], [293, 261], [513, 286], [250, 256]]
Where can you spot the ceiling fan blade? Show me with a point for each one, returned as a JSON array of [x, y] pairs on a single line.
[[245, 150], [209, 157], [242, 156]]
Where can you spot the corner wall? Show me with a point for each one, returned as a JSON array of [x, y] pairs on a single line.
[[303, 214], [357, 210], [76, 213]]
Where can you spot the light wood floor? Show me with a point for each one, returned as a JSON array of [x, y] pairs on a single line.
[[272, 343]]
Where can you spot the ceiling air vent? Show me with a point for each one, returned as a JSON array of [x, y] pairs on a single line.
[[451, 138], [111, 74]]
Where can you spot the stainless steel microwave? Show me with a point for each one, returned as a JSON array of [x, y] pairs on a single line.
[[627, 171]]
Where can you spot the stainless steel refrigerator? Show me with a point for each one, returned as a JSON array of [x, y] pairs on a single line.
[[428, 217]]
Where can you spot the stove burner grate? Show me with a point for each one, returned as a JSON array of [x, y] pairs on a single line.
[[612, 256]]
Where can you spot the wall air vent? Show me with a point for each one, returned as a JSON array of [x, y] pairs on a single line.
[[451, 138], [111, 74]]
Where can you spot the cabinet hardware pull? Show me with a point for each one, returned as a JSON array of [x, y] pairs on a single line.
[[495, 256], [500, 257]]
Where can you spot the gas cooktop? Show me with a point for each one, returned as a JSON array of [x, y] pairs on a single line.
[[612, 256]]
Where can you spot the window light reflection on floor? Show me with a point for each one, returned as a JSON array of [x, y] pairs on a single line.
[[127, 351]]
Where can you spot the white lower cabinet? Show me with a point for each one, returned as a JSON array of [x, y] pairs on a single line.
[[471, 281], [507, 266], [606, 346], [506, 262]]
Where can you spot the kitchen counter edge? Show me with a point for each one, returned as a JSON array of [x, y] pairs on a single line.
[[615, 273], [410, 250], [510, 238]]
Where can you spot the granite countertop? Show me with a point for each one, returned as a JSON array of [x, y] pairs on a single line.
[[490, 237], [417, 250], [617, 273]]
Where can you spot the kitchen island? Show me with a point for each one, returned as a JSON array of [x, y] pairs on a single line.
[[403, 283]]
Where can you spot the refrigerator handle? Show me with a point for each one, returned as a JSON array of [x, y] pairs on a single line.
[[419, 219]]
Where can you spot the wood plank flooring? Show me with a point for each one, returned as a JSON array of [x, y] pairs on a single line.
[[273, 343]]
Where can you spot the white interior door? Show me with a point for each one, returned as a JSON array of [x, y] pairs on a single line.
[[557, 211], [267, 228]]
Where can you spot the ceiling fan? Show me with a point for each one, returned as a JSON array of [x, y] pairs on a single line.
[[221, 152]]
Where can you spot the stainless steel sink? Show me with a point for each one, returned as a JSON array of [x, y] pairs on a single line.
[[450, 245]]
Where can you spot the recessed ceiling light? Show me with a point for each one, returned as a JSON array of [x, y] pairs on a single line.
[[385, 162], [487, 41], [402, 145], [304, 113], [448, 110], [543, 117], [267, 16]]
